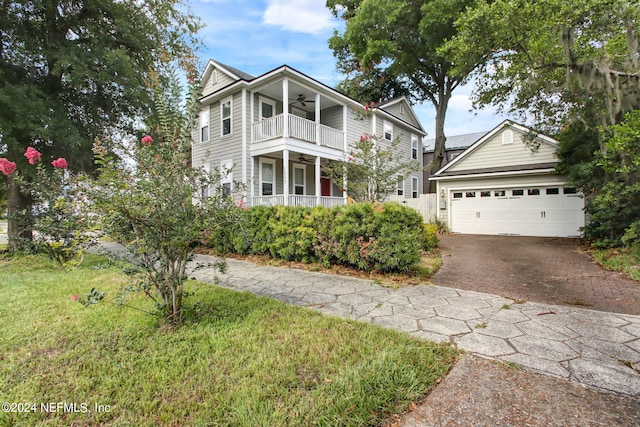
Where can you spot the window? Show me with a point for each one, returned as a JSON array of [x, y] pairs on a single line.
[[507, 137], [414, 147], [400, 186], [414, 188], [517, 192], [570, 190], [225, 116], [457, 195], [299, 172], [388, 130], [533, 192], [214, 77], [553, 191], [485, 194], [226, 176], [499, 193], [267, 108], [470, 194], [204, 123], [267, 177]]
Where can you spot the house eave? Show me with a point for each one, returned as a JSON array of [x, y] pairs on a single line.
[[548, 171]]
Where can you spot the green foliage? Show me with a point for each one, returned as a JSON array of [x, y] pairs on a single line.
[[160, 209], [431, 240], [384, 237], [554, 60], [58, 217]]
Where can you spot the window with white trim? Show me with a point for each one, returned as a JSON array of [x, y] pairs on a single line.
[[414, 147], [204, 123], [400, 186], [414, 188], [299, 172], [226, 176], [267, 177], [507, 137], [388, 130], [205, 190], [226, 106]]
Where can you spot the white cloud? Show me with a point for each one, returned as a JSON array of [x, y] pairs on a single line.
[[303, 16]]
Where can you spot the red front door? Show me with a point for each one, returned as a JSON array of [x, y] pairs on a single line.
[[325, 187]]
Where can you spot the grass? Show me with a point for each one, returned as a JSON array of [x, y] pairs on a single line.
[[239, 360], [625, 260]]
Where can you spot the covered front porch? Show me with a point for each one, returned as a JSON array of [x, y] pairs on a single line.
[[291, 178]]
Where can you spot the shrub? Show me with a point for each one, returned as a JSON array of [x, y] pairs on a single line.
[[385, 237], [430, 237]]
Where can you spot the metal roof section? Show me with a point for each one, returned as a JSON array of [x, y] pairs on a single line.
[[456, 142]]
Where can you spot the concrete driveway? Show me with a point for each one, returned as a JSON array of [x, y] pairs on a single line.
[[539, 269]]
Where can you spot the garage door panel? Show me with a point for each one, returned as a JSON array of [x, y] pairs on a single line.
[[537, 212]]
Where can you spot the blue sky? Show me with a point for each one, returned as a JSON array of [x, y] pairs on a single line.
[[256, 36]]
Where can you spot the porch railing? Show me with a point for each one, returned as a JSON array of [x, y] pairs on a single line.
[[296, 200], [299, 128]]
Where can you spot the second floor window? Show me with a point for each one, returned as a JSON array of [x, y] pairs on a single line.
[[225, 106], [414, 147], [204, 124], [388, 130], [414, 188]]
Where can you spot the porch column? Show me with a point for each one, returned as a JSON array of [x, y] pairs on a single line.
[[344, 128], [318, 118], [285, 175], [253, 179], [318, 189], [285, 107]]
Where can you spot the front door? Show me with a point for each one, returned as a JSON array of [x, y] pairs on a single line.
[[325, 187]]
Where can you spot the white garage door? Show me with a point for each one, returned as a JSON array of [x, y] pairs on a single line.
[[533, 211]]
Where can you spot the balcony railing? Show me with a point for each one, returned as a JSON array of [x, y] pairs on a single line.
[[299, 128], [296, 200]]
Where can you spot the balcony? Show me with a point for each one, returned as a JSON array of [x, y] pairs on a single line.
[[296, 200], [299, 128]]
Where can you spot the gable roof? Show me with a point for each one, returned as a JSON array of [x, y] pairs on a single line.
[[234, 73], [488, 136], [456, 142], [398, 100]]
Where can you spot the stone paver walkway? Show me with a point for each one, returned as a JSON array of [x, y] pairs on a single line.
[[594, 348]]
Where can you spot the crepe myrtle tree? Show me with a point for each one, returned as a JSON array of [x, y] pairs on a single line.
[[372, 168], [55, 220], [159, 207]]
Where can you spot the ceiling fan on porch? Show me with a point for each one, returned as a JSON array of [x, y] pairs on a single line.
[[303, 159], [302, 100]]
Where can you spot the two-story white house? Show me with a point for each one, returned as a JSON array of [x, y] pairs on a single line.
[[275, 132]]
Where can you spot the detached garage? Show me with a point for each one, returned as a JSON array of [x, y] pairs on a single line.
[[502, 185]]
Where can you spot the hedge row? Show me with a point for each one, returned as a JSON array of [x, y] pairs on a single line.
[[384, 237]]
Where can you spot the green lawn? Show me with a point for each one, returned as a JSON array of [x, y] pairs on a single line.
[[625, 260], [239, 360]]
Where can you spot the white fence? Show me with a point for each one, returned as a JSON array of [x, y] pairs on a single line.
[[426, 204]]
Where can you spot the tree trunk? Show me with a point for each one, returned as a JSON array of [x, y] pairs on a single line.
[[19, 231], [438, 150]]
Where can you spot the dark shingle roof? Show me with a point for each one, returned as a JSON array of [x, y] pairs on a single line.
[[241, 74], [456, 142]]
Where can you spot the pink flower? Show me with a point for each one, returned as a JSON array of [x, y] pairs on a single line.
[[74, 297], [7, 167], [366, 108], [147, 140], [241, 204], [60, 163], [33, 155], [372, 104]]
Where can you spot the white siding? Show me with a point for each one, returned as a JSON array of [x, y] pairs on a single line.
[[217, 80]]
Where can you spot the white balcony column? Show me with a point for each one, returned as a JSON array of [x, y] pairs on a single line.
[[344, 128], [285, 107], [252, 115], [318, 118], [318, 189], [285, 175], [253, 177]]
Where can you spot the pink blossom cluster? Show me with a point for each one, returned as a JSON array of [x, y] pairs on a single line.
[[369, 106], [60, 163], [33, 155], [365, 137], [8, 167], [147, 140], [241, 204]]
